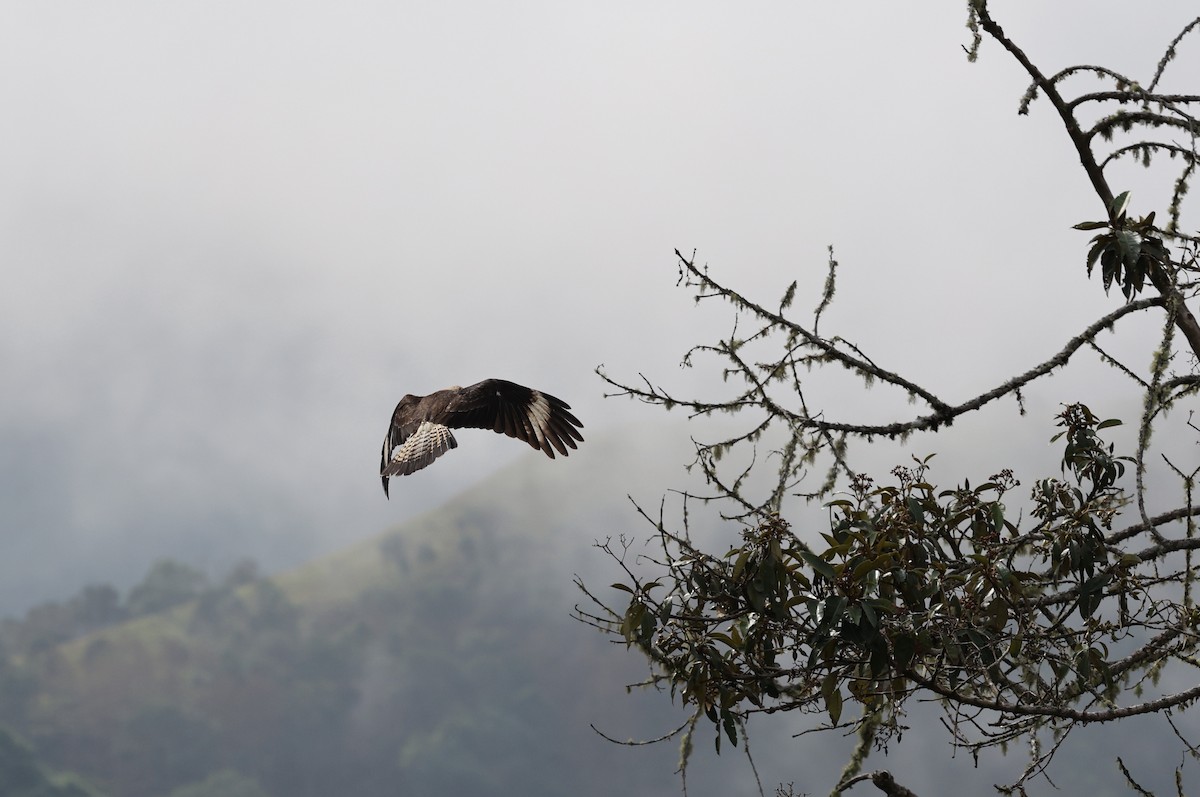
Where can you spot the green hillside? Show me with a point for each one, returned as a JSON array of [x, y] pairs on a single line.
[[437, 658], [22, 775]]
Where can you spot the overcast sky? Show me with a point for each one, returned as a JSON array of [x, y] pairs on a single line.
[[234, 234]]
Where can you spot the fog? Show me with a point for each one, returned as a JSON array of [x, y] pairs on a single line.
[[233, 235]]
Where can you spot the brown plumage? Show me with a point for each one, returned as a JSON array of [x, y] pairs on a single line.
[[420, 429]]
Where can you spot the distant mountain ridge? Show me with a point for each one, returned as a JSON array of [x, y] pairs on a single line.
[[438, 657], [435, 658]]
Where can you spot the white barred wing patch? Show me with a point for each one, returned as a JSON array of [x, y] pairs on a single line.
[[429, 442]]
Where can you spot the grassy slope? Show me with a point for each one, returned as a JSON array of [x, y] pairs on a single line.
[[446, 641]]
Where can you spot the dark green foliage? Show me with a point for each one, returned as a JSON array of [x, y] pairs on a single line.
[[1129, 252], [158, 746], [392, 676], [169, 583], [912, 588], [50, 624], [95, 607], [21, 775], [225, 783]]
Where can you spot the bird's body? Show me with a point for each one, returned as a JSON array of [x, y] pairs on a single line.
[[420, 429]]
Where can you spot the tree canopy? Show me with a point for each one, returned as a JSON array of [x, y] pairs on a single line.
[[1025, 605]]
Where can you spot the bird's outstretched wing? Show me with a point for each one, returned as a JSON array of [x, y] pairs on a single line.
[[420, 428], [541, 420]]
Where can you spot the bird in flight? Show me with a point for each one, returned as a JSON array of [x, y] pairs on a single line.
[[420, 429]]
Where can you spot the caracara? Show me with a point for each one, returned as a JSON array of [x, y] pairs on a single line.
[[420, 429]]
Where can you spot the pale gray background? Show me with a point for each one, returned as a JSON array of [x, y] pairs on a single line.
[[233, 234]]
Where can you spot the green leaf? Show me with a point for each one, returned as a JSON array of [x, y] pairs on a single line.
[[832, 609], [1091, 592], [914, 509], [740, 564], [646, 629], [1095, 251], [869, 566], [818, 564], [1090, 225], [730, 726], [870, 616], [1129, 244], [724, 638], [622, 587], [1083, 665], [833, 697], [1109, 264], [1119, 205], [633, 621]]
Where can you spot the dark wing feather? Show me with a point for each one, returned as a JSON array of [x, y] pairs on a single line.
[[541, 420]]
